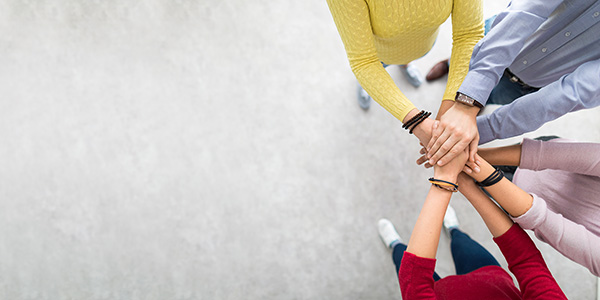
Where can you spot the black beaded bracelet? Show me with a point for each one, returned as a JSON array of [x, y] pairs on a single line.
[[413, 119], [425, 116], [494, 178]]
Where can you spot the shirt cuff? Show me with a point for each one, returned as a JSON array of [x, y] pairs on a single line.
[[535, 216], [486, 133], [530, 150], [477, 86]]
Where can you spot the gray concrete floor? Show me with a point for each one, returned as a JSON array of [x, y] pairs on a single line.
[[208, 150]]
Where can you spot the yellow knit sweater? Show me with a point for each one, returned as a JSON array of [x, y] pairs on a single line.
[[399, 31]]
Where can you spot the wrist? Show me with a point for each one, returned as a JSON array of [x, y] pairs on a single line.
[[423, 130], [472, 111], [446, 176], [486, 171], [413, 112]]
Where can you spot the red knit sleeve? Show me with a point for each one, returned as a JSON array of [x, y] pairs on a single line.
[[526, 262], [416, 277]]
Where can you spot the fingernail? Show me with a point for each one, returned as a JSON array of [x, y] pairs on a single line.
[[477, 169], [439, 162], [469, 171]]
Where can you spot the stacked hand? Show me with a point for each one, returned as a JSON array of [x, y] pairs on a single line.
[[455, 132]]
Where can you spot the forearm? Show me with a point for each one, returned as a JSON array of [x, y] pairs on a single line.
[[573, 240], [497, 50], [467, 30], [494, 218], [573, 92], [502, 156], [352, 19], [576, 157], [512, 198], [426, 233], [444, 107]]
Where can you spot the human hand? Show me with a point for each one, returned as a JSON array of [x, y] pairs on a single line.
[[469, 168], [424, 130], [450, 170], [456, 131], [473, 167]]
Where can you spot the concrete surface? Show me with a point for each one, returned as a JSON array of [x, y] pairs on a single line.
[[207, 150]]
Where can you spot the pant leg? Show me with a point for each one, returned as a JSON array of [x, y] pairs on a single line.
[[469, 255], [505, 92], [397, 254]]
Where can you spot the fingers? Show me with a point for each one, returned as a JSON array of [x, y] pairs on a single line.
[[444, 144], [472, 167], [467, 169], [435, 133], [456, 149], [436, 151], [473, 149], [422, 160]]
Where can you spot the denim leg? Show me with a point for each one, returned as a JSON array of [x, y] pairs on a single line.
[[469, 255], [397, 254], [505, 92]]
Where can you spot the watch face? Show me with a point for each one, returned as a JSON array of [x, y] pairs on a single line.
[[465, 100]]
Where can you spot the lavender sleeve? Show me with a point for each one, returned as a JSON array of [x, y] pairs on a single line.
[[580, 158], [571, 239]]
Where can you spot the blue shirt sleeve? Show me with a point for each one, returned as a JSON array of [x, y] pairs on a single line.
[[572, 92], [499, 48]]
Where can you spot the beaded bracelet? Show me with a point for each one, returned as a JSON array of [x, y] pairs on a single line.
[[425, 116], [411, 124], [412, 120], [494, 178], [444, 185]]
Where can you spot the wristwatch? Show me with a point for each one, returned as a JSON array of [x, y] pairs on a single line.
[[466, 100]]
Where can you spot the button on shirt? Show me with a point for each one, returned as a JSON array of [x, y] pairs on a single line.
[[548, 44], [560, 45]]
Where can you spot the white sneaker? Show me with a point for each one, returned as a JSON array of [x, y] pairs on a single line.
[[412, 74], [388, 233], [364, 100], [450, 220]]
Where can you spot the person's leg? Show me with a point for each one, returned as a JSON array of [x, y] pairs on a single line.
[[398, 253], [389, 236], [412, 74], [505, 92], [468, 255]]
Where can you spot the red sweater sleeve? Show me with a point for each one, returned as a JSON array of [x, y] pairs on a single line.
[[526, 262], [416, 277]]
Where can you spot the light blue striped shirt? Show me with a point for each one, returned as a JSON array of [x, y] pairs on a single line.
[[550, 44]]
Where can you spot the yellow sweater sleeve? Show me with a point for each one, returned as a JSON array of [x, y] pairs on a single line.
[[354, 25], [467, 30]]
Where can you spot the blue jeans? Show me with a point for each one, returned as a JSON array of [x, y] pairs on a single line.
[[468, 255], [506, 91]]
